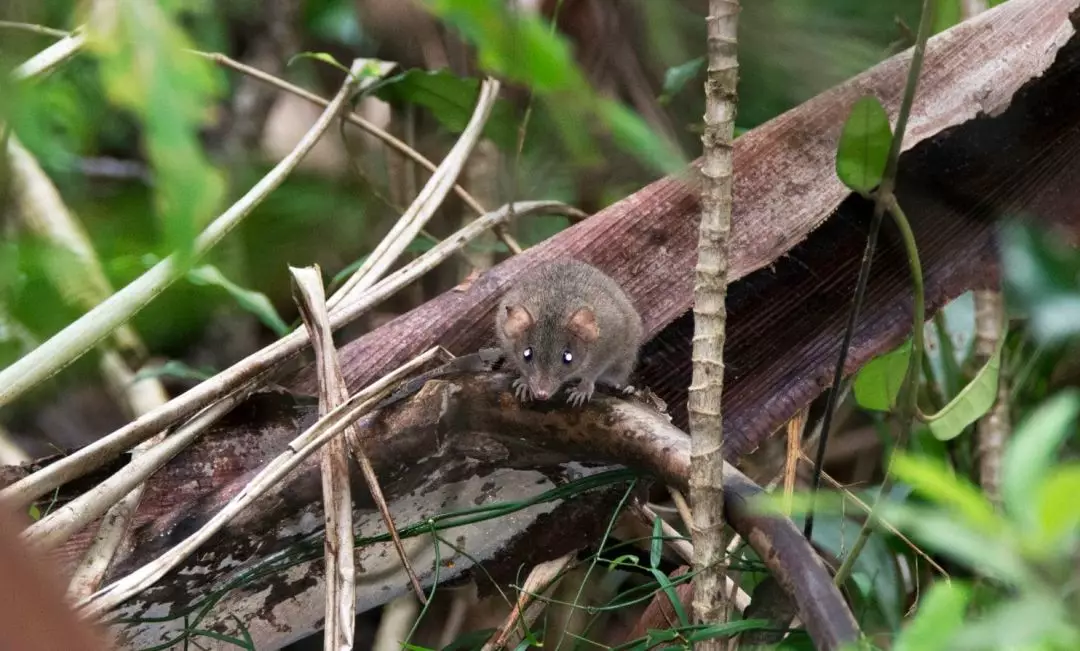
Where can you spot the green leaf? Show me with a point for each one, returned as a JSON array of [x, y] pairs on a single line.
[[174, 368], [625, 559], [836, 534], [470, 640], [514, 45], [634, 135], [940, 616], [958, 317], [991, 554], [1042, 276], [947, 14], [864, 146], [252, 301], [728, 629], [936, 482], [145, 69], [324, 57], [34, 512], [878, 382], [678, 76], [1058, 512], [1031, 453], [971, 403], [1037, 620], [656, 548], [451, 100]]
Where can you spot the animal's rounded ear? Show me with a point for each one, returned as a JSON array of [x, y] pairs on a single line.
[[583, 325], [518, 320]]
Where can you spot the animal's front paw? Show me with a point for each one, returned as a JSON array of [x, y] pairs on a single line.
[[521, 390], [580, 394]]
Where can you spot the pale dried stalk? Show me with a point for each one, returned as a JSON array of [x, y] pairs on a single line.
[[267, 479], [10, 453], [140, 397], [542, 577], [791, 459], [424, 206], [82, 335], [339, 625], [366, 125], [77, 273], [51, 57], [994, 427], [710, 315], [258, 364], [394, 623], [33, 29], [55, 528], [683, 507]]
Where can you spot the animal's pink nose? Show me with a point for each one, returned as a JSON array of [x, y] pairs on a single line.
[[541, 394]]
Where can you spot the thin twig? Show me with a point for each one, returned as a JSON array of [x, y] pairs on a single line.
[[857, 501], [424, 206], [885, 190], [542, 577], [33, 28], [354, 119], [909, 388]]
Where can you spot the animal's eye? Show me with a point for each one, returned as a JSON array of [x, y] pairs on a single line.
[[567, 357], [527, 354]]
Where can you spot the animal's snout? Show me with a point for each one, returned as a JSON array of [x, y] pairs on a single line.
[[541, 394]]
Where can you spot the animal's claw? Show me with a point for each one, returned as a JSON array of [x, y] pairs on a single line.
[[521, 390], [577, 397]]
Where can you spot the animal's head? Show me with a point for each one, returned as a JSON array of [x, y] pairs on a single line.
[[548, 352]]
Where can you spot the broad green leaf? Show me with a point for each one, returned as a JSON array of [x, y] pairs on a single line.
[[937, 483], [1031, 453], [1042, 276], [1037, 620], [959, 320], [864, 146], [678, 76], [971, 403], [252, 301], [728, 629], [878, 382], [990, 554], [947, 14], [515, 45], [875, 565], [1058, 510], [634, 135], [451, 100], [144, 68], [34, 512], [940, 616]]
